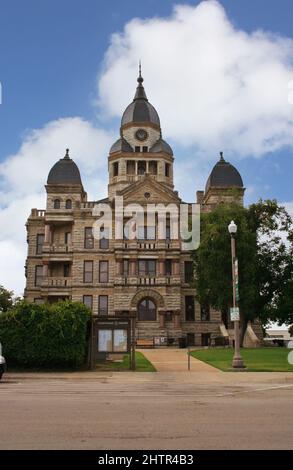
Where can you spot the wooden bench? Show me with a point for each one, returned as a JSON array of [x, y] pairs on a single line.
[[144, 343]]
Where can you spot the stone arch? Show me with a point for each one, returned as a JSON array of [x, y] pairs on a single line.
[[150, 293]]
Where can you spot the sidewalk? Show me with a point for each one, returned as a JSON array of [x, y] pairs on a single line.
[[175, 360]]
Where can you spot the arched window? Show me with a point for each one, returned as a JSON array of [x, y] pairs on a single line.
[[147, 310], [68, 204], [57, 204]]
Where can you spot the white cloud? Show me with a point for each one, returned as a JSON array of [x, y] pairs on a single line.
[[24, 174], [214, 86], [12, 266]]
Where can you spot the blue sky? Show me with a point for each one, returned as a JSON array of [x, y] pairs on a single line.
[[53, 67], [51, 51]]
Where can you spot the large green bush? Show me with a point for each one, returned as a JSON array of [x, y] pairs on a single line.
[[45, 335]]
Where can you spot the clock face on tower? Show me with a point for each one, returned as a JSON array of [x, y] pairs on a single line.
[[141, 134]]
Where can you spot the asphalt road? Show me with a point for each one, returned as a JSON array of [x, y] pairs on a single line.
[[163, 410]]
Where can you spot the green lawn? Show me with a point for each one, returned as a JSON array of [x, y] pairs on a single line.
[[256, 360], [142, 364]]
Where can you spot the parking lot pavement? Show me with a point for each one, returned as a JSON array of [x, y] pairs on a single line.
[[163, 410]]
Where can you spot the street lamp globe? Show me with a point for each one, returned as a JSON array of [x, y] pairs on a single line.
[[232, 227]]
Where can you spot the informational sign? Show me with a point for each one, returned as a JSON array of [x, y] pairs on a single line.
[[105, 341], [234, 314], [112, 340], [120, 340]]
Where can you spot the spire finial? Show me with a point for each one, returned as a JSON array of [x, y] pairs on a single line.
[[67, 154], [140, 79], [222, 157]]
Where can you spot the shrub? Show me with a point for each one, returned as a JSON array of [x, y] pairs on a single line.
[[46, 334]]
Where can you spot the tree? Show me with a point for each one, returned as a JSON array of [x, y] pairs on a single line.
[[6, 299], [264, 259], [274, 269], [213, 279], [281, 309]]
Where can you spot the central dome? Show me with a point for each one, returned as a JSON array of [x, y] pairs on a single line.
[[140, 110]]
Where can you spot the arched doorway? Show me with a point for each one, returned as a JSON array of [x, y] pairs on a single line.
[[146, 310]]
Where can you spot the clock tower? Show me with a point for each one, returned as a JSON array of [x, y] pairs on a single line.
[[140, 151]]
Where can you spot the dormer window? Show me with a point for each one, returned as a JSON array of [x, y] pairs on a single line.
[[68, 204], [57, 204], [145, 149], [115, 168], [137, 148]]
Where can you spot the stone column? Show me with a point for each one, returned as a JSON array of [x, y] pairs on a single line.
[[161, 268], [132, 267], [45, 269], [176, 314], [176, 267], [162, 319], [122, 167], [47, 239], [119, 267]]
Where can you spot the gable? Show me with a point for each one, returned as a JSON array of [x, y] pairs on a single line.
[[149, 191]]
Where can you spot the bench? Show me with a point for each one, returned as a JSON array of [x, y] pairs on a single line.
[[144, 343]]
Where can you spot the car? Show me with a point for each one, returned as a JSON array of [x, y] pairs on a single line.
[[2, 363]]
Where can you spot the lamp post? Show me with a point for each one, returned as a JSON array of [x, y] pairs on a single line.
[[237, 359]]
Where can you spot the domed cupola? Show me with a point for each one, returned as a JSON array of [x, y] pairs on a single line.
[[161, 146], [65, 171], [121, 145], [140, 110], [223, 176]]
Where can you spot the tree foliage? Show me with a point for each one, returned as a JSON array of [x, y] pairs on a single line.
[[46, 334], [264, 251], [6, 299]]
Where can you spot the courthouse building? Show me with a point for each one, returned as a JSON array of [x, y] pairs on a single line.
[[147, 277]]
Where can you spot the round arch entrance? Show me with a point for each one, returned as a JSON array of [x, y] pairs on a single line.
[[144, 294]]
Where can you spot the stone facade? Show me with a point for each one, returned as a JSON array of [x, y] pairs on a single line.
[[64, 261]]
